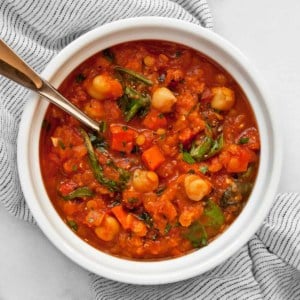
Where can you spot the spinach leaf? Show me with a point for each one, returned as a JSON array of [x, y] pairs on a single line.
[[79, 193], [146, 218], [243, 140], [73, 225], [167, 228], [207, 148], [98, 142], [198, 151], [235, 193], [187, 157], [214, 214], [133, 102], [112, 185], [217, 146], [134, 75], [196, 234]]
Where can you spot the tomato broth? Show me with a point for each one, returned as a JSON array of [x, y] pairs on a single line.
[[176, 158]]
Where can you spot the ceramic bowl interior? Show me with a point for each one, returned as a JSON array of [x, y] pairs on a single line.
[[197, 262]]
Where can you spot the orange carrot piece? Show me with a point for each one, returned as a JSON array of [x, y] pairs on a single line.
[[121, 215], [70, 208], [94, 218], [122, 138], [153, 157], [137, 226], [128, 221], [155, 120]]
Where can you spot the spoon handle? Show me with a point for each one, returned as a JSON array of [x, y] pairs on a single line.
[[14, 68]]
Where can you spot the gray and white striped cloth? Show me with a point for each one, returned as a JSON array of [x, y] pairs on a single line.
[[266, 268]]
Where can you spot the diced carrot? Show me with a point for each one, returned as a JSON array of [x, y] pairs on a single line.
[[155, 120], [121, 215], [136, 226], [67, 187], [122, 141], [94, 218], [70, 208], [153, 157], [237, 158], [128, 221], [122, 138]]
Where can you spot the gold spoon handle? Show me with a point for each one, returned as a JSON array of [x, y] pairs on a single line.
[[14, 68]]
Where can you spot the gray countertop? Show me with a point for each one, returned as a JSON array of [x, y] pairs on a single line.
[[265, 31]]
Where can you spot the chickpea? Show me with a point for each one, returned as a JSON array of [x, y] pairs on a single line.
[[161, 131], [144, 181], [196, 188], [140, 139], [149, 61], [163, 99], [223, 98], [108, 230], [94, 109], [104, 86]]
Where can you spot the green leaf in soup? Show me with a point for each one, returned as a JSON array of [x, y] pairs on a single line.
[[236, 193], [217, 146], [214, 214], [203, 169], [207, 148], [188, 158], [133, 102], [98, 141], [243, 140], [198, 151], [73, 225], [196, 234], [102, 126], [249, 174], [135, 75], [146, 218], [167, 228], [112, 185], [79, 193]]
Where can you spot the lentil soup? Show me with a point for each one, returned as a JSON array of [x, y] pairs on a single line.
[[176, 158]]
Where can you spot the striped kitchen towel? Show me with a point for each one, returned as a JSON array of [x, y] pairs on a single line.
[[266, 268]]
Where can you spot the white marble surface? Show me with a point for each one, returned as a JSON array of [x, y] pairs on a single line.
[[268, 33]]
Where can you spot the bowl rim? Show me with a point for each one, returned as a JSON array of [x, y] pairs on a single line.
[[200, 261]]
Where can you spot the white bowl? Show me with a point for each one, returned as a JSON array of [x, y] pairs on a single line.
[[200, 261]]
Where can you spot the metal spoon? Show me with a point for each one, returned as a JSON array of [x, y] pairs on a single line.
[[14, 68]]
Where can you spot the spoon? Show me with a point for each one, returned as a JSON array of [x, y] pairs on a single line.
[[14, 67]]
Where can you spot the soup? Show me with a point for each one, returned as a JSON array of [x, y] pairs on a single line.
[[174, 163]]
